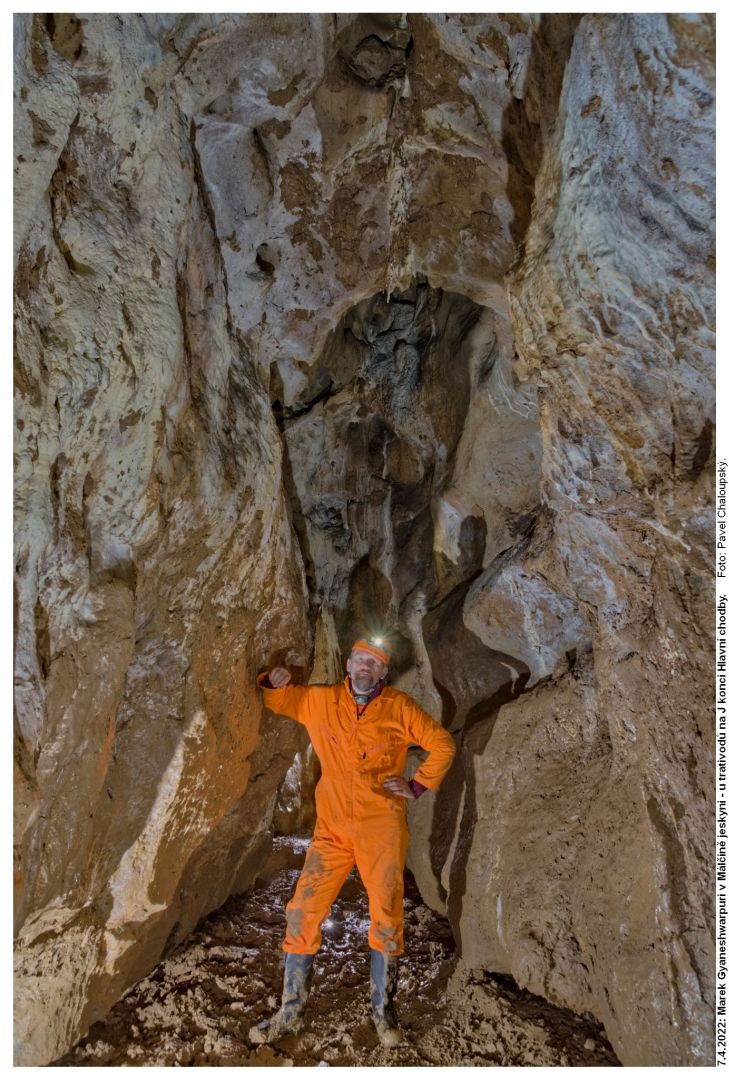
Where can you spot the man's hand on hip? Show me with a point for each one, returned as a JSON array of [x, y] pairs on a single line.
[[278, 677], [398, 785]]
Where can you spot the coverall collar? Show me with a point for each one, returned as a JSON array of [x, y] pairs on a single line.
[[363, 700]]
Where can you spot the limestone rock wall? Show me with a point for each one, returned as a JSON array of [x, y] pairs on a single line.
[[330, 320], [155, 572], [581, 887]]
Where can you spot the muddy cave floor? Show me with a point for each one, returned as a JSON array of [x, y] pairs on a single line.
[[196, 1006]]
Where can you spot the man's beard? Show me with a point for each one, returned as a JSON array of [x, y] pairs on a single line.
[[363, 683]]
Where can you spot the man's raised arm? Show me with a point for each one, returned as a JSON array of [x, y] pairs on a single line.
[[281, 697]]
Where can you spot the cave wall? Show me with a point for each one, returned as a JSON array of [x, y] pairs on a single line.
[[322, 318], [605, 902], [153, 569]]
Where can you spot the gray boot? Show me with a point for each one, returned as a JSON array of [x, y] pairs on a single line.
[[383, 983], [298, 972]]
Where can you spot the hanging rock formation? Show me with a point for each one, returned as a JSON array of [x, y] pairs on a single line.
[[324, 321]]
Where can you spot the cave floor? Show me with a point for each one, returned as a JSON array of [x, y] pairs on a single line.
[[196, 1006]]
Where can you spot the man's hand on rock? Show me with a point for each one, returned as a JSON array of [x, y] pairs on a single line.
[[398, 785], [278, 677]]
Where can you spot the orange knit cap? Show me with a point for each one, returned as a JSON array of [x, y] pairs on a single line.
[[374, 650]]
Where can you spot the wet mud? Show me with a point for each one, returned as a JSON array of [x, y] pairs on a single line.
[[197, 1006]]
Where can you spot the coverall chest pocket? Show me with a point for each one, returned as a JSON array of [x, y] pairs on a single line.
[[382, 754], [330, 735]]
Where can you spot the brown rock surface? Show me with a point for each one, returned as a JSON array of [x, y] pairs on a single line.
[[153, 567], [330, 321]]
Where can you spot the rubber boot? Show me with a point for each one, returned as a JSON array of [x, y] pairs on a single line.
[[298, 972], [383, 983]]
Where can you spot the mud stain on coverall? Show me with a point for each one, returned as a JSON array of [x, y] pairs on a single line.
[[311, 873], [294, 920], [386, 937]]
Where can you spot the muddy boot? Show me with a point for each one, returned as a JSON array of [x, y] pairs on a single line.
[[383, 983], [298, 971]]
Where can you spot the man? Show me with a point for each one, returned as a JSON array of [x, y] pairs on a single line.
[[360, 730]]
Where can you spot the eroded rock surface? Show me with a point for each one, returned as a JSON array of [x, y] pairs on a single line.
[[329, 321]]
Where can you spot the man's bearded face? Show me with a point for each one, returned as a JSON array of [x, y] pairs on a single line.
[[365, 670]]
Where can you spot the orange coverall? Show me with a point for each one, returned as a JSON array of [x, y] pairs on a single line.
[[358, 821]]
